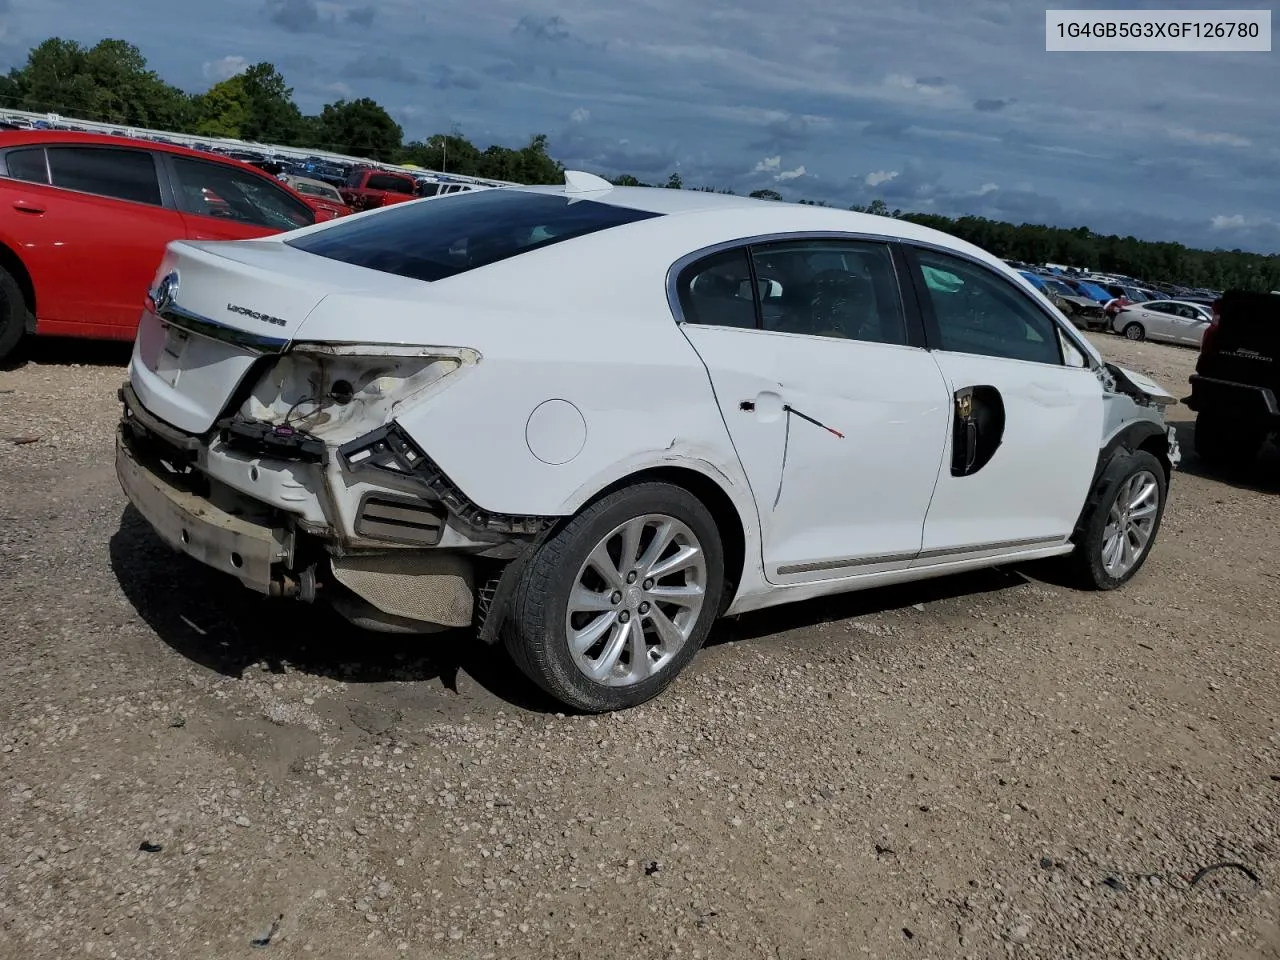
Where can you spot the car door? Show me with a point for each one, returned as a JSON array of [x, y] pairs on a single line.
[[837, 412], [1161, 320], [221, 201], [1026, 425], [1189, 323], [93, 236]]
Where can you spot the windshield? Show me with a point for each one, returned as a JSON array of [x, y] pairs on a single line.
[[454, 234]]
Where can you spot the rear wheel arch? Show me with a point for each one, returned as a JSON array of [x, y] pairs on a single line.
[[13, 265], [725, 512]]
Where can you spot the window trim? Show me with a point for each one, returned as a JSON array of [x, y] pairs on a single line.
[[166, 198], [907, 296], [173, 180], [44, 154], [933, 334]]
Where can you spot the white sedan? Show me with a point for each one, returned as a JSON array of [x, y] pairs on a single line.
[[1173, 321], [587, 421]]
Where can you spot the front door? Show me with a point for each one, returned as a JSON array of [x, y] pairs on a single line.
[[838, 420], [1026, 425], [221, 202]]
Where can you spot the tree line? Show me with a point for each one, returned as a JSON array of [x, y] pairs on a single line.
[[110, 82]]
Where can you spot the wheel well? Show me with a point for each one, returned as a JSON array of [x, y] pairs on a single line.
[[1158, 446], [732, 537], [13, 264]]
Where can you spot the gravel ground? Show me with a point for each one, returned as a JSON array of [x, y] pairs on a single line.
[[983, 766]]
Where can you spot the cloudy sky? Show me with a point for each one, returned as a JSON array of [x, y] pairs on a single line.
[[932, 105]]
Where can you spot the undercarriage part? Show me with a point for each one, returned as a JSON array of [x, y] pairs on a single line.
[[303, 587], [366, 616], [429, 586], [389, 449], [494, 596]]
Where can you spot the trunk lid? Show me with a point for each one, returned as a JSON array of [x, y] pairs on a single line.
[[220, 310], [1245, 347]]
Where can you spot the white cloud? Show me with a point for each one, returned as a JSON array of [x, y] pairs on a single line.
[[769, 164], [580, 115], [224, 68], [1233, 222], [878, 177], [791, 174], [1209, 139], [987, 188]]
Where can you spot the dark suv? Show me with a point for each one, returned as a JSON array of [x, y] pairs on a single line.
[[1237, 380]]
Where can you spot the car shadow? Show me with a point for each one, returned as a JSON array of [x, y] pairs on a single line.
[[846, 606], [68, 352], [213, 621], [1261, 475]]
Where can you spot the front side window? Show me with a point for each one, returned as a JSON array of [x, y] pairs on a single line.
[[27, 164], [978, 312], [106, 171], [845, 289], [222, 191], [432, 241]]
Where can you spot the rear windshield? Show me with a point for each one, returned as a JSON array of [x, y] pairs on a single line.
[[435, 239]]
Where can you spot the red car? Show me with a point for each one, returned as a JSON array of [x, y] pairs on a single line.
[[85, 218], [367, 188]]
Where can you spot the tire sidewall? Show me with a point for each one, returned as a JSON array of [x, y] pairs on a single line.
[[572, 545], [13, 314], [1122, 466]]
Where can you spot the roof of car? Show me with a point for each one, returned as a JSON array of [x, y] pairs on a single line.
[[12, 138], [774, 215]]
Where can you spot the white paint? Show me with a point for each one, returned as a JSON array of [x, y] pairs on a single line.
[[588, 324]]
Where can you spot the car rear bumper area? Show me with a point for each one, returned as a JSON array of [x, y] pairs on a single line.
[[1243, 400], [189, 523]]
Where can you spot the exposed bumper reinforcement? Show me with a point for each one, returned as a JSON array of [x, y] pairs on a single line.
[[192, 525]]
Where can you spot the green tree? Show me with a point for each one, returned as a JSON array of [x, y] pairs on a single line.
[[271, 114], [108, 82], [765, 194], [361, 128], [674, 182], [222, 110]]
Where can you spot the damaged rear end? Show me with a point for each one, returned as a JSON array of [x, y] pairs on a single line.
[[280, 461]]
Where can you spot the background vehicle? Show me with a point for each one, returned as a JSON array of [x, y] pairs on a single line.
[[1171, 321], [84, 219], [367, 188], [1236, 387], [323, 197], [1083, 311], [789, 418]]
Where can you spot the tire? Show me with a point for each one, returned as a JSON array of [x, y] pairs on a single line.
[[1089, 561], [14, 315], [538, 625], [1134, 331], [1222, 440]]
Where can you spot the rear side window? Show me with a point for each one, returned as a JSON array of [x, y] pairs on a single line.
[[432, 241], [27, 164], [107, 171], [381, 181], [222, 191]]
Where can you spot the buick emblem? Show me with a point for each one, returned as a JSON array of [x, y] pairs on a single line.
[[166, 292]]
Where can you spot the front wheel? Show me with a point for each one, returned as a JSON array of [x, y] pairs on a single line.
[[1121, 522], [615, 604], [14, 315], [1135, 331]]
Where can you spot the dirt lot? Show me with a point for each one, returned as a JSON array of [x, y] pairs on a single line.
[[983, 766]]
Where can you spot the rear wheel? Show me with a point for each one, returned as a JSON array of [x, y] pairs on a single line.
[[1224, 440], [1121, 521], [1135, 331], [614, 605], [14, 315]]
